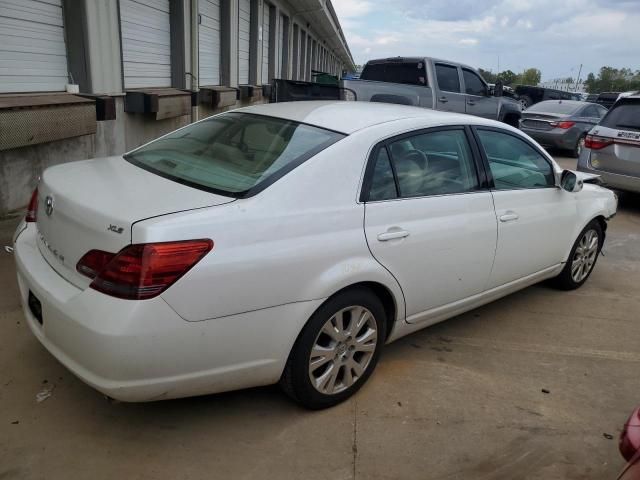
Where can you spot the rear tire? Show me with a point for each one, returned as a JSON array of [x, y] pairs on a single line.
[[525, 101], [582, 259], [337, 350]]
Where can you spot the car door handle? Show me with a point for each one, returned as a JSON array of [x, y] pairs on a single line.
[[392, 235], [443, 99], [471, 102], [509, 217]]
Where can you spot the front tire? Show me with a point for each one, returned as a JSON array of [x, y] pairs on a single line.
[[582, 258], [337, 350]]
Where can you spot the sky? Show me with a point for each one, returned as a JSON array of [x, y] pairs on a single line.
[[555, 36]]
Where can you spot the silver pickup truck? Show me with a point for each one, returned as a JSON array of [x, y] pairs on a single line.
[[419, 81], [432, 83]]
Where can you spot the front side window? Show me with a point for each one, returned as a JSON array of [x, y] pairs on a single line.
[[448, 79], [473, 84], [432, 163], [233, 153], [514, 163]]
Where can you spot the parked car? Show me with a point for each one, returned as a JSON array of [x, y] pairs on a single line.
[[607, 99], [629, 445], [561, 123], [237, 251], [592, 97], [612, 148], [529, 95], [418, 81]]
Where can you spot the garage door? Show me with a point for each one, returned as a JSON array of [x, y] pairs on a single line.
[[33, 57], [146, 43], [209, 41], [265, 43], [244, 23]]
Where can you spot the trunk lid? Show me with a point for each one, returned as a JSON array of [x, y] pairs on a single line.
[[540, 121], [93, 204]]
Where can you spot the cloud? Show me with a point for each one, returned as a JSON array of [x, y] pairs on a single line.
[[554, 36], [351, 8]]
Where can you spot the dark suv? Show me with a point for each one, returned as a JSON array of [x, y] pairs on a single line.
[[612, 148]]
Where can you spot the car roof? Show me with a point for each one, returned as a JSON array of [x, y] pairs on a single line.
[[348, 117], [417, 59]]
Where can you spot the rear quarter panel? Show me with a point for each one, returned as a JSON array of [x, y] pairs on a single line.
[[300, 239]]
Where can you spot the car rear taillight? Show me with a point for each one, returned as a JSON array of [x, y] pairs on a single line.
[[32, 210], [563, 125], [93, 262], [596, 143], [142, 271], [629, 443]]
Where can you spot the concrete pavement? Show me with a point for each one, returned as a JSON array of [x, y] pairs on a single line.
[[462, 399]]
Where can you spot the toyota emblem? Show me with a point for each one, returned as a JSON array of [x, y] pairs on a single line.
[[48, 205]]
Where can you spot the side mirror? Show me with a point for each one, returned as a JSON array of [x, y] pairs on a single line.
[[569, 182], [498, 90]]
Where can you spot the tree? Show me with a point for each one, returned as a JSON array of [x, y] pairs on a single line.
[[611, 79], [508, 77], [531, 76], [488, 75]]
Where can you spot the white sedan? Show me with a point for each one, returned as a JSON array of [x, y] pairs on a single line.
[[289, 242]]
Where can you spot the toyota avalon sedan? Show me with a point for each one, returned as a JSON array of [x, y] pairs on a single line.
[[289, 243]]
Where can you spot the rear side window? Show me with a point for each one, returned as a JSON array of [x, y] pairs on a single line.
[[234, 153], [472, 83], [383, 185], [514, 163], [623, 116], [408, 73], [448, 79]]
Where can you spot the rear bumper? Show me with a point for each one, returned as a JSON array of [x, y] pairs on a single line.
[[556, 138], [143, 350], [611, 180]]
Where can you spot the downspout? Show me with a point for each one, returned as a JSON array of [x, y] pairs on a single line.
[[194, 56]]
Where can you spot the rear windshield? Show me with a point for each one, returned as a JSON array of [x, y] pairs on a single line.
[[623, 116], [555, 107], [410, 73], [234, 154]]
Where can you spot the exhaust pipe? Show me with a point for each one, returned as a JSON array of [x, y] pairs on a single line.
[[8, 249]]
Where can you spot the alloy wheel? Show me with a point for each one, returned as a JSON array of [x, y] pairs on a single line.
[[585, 256], [343, 350]]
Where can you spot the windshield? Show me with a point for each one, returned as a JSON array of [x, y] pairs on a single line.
[[234, 154], [555, 107], [625, 116]]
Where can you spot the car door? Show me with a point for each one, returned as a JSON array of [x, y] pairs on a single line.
[[478, 101], [449, 96], [429, 219], [535, 218]]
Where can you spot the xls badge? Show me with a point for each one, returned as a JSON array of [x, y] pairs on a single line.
[[48, 205]]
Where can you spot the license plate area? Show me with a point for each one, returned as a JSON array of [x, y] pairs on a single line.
[[35, 307]]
